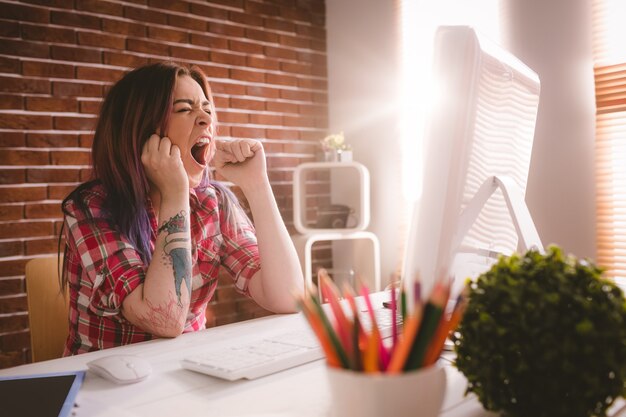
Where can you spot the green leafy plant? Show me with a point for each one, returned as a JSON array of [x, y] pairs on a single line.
[[544, 335]]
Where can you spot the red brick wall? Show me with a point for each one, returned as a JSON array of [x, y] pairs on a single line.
[[266, 61]]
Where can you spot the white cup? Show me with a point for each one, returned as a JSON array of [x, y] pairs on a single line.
[[416, 393]]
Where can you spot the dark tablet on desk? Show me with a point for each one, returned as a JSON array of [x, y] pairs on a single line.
[[42, 395]]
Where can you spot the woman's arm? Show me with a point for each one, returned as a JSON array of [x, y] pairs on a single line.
[[161, 304], [280, 278]]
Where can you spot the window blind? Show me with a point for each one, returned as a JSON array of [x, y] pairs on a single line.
[[610, 166]]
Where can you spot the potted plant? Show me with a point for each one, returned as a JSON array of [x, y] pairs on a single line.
[[336, 149], [544, 335]]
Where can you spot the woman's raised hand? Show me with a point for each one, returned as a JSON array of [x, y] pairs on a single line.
[[240, 161], [164, 166]]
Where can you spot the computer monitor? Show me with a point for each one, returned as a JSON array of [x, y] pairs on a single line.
[[478, 139]]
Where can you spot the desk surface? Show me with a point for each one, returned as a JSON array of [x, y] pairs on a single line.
[[171, 390]]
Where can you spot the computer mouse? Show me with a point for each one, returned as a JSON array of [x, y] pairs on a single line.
[[121, 369]]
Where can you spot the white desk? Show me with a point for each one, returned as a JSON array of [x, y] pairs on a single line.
[[171, 390]]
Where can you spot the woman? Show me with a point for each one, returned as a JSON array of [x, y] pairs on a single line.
[[145, 239]]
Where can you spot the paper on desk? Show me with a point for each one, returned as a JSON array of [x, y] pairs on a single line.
[[87, 406]]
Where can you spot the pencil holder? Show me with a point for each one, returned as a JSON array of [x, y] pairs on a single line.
[[416, 393]]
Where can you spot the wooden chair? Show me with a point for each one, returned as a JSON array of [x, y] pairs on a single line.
[[47, 308]]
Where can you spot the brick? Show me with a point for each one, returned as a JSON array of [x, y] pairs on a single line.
[[8, 139], [178, 6], [245, 18], [24, 48], [281, 79], [213, 42], [278, 52], [24, 85], [11, 101], [247, 132], [168, 34], [219, 28], [187, 22], [47, 33], [123, 59], [11, 65], [89, 106], [71, 53], [110, 75], [261, 8], [11, 211], [15, 341], [228, 89], [318, 45], [144, 15], [20, 12], [14, 358], [12, 175], [85, 140], [296, 67], [74, 123], [41, 210], [41, 246], [140, 45], [10, 248], [204, 10], [245, 47], [228, 59], [241, 103], [265, 92], [16, 304], [12, 194], [9, 29], [28, 228], [59, 192], [38, 175], [233, 117], [295, 14], [213, 71], [47, 69], [287, 134], [261, 35], [230, 3], [47, 140], [86, 174], [192, 53], [12, 285], [122, 27], [53, 104], [298, 121], [13, 323], [262, 63], [282, 107], [281, 25], [297, 95], [81, 157], [74, 19], [245, 75], [76, 88], [101, 7], [265, 119], [25, 121], [102, 40]]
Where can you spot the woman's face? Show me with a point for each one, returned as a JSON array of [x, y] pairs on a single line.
[[191, 127]]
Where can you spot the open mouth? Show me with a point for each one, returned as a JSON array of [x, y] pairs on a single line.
[[199, 151]]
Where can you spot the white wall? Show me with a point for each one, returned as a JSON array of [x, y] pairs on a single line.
[[551, 36], [362, 76]]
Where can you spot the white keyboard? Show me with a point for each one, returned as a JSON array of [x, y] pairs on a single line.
[[258, 358], [270, 354]]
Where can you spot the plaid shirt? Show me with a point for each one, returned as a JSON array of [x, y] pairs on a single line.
[[103, 267]]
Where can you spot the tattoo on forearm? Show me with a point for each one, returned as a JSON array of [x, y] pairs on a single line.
[[178, 247], [159, 317]]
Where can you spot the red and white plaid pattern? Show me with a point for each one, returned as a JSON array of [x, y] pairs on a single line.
[[104, 267]]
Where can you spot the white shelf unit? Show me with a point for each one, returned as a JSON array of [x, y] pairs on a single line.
[[353, 248], [356, 251], [343, 176]]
